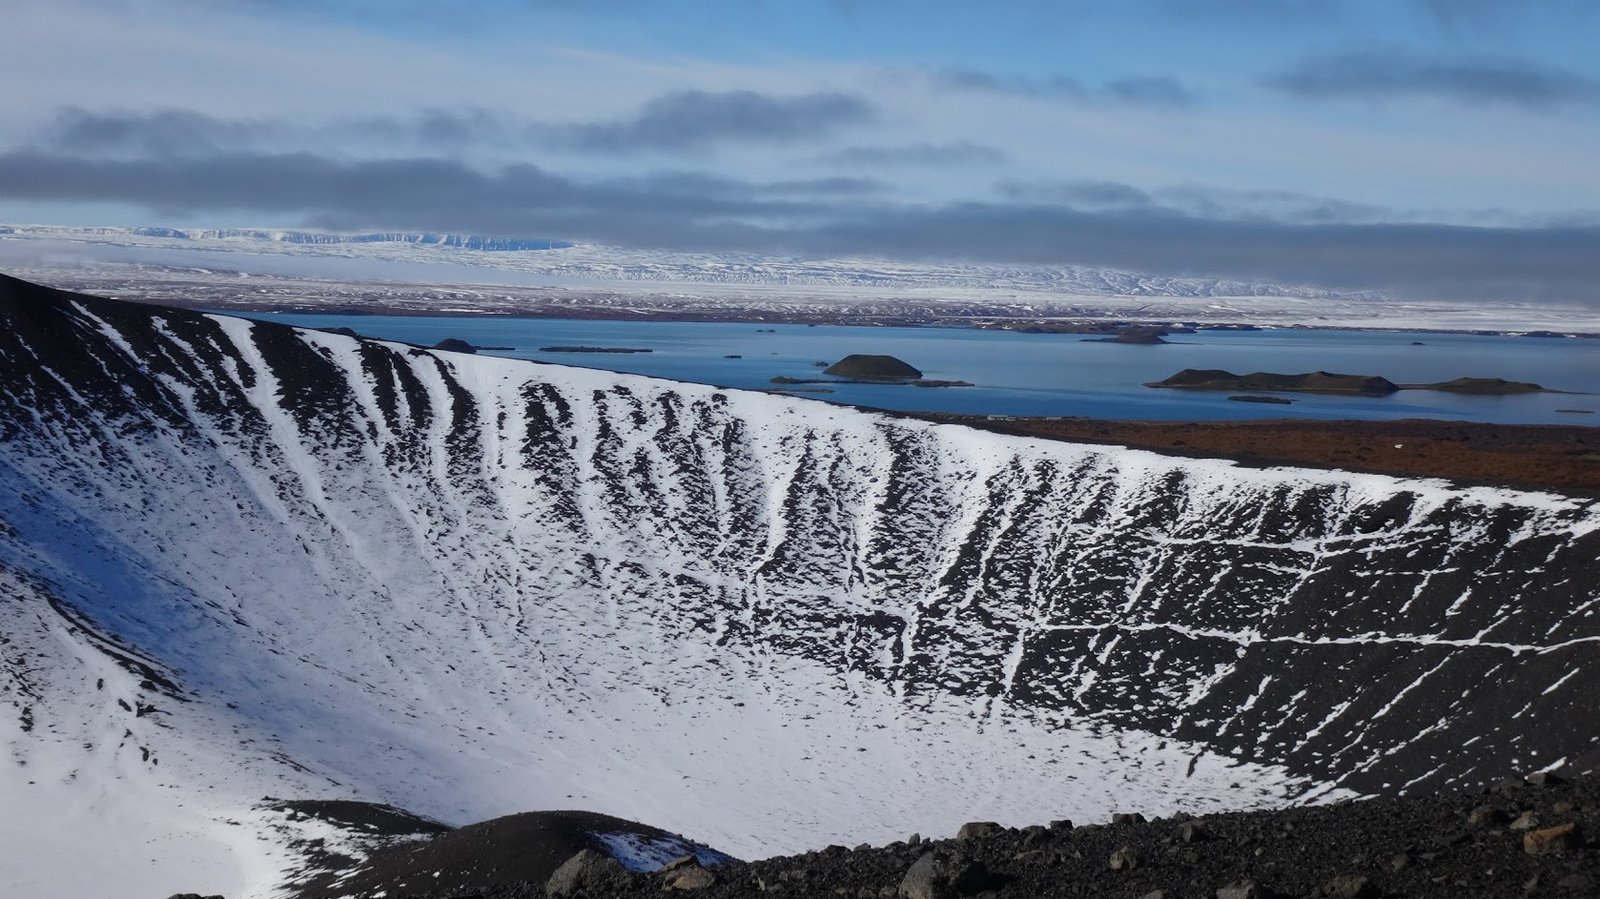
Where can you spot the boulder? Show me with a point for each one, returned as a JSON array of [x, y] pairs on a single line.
[[689, 877], [1556, 840], [1124, 859], [587, 873], [680, 862], [972, 830], [946, 875]]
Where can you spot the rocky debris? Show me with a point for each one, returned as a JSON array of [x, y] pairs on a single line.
[[1190, 832], [587, 873], [1246, 889], [1127, 818], [1034, 836], [1486, 816], [946, 875], [975, 829], [1350, 886]]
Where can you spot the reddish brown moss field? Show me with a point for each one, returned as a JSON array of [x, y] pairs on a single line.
[[1543, 457]]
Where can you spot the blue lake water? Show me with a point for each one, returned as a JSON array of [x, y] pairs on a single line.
[[1050, 374]]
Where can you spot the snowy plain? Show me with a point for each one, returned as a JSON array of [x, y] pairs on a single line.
[[265, 268]]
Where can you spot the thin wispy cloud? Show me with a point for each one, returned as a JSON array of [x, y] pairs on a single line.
[[695, 119], [1389, 74], [682, 121], [1201, 201], [929, 155], [1146, 90]]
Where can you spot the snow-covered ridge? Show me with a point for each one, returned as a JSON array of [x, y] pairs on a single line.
[[240, 559], [419, 238], [1047, 284]]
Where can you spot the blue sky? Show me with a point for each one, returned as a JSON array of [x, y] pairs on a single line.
[[1439, 147]]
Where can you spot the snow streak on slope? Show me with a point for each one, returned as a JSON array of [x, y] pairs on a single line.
[[469, 586]]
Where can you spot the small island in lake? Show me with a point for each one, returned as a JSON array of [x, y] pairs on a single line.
[[1329, 382], [591, 349], [1309, 382], [1138, 336], [868, 367], [457, 345], [863, 368], [1275, 400], [1481, 386]]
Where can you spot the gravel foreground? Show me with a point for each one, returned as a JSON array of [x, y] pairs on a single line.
[[1532, 837]]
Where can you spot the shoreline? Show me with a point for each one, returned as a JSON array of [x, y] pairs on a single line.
[[1561, 458], [1067, 326]]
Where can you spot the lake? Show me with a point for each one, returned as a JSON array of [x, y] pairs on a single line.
[[1049, 374]]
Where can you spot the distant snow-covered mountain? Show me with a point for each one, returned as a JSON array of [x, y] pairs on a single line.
[[242, 560], [420, 238]]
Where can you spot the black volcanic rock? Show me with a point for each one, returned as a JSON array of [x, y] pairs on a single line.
[[945, 874], [586, 873], [870, 367]]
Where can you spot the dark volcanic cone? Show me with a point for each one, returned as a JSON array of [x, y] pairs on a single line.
[[870, 367]]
